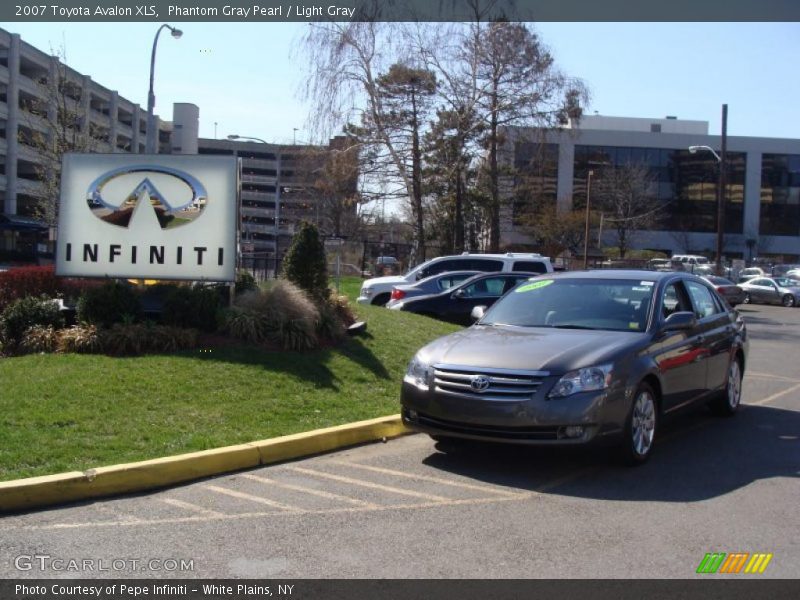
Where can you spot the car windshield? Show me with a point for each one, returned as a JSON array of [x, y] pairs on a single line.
[[610, 304], [786, 282]]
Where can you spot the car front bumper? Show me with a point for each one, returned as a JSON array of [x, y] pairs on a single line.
[[583, 418]]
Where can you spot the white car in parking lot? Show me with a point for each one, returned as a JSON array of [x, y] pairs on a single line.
[[378, 290]]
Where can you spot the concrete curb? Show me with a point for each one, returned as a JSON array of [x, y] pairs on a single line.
[[36, 492]]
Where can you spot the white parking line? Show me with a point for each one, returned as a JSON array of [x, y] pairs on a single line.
[[312, 491], [252, 498], [771, 376], [190, 507], [368, 484], [775, 396], [440, 480]]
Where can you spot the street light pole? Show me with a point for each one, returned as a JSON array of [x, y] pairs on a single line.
[[150, 144], [586, 231], [721, 183], [721, 192]]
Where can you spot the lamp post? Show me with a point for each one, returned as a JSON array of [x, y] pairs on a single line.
[[720, 184], [150, 145], [586, 231], [277, 232]]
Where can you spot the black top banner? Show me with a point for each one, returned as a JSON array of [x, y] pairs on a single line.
[[396, 10]]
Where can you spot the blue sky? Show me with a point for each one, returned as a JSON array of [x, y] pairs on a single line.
[[244, 78]]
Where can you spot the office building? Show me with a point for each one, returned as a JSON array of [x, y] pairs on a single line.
[[762, 200]]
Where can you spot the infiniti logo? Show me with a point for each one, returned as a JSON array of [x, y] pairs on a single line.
[[479, 383], [176, 197]]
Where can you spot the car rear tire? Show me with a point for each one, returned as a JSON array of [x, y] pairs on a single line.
[[788, 300], [381, 299], [747, 299], [640, 430], [730, 400]]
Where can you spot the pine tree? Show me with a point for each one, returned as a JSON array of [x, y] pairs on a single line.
[[305, 263]]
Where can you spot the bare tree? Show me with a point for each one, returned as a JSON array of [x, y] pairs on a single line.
[[55, 126], [626, 195]]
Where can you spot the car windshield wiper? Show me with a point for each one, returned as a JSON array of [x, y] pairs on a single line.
[[571, 326]]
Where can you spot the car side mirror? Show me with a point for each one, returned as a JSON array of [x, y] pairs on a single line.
[[459, 293], [477, 313], [680, 321]]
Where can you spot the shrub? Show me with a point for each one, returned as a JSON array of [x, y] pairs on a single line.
[[247, 325], [111, 303], [21, 282], [305, 263], [330, 325], [193, 307], [140, 338], [81, 339], [25, 313], [245, 282], [341, 306], [38, 339], [282, 314]]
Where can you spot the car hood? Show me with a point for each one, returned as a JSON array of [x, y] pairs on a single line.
[[388, 280], [534, 348]]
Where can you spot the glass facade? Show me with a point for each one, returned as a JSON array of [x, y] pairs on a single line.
[[780, 194], [687, 184], [536, 178]]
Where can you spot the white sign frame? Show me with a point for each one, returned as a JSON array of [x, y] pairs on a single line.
[[199, 195]]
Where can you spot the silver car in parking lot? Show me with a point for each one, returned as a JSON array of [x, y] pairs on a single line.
[[772, 290], [574, 358]]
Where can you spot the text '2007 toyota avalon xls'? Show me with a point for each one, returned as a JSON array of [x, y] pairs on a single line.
[[581, 357]]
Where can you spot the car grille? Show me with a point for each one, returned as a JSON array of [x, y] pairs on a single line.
[[490, 431], [503, 384]]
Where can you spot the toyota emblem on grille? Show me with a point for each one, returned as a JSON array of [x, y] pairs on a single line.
[[479, 383]]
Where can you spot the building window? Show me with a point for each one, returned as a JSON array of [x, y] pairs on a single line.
[[687, 184], [780, 194], [655, 127]]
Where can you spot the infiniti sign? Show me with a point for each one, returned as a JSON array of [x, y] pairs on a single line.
[[149, 217]]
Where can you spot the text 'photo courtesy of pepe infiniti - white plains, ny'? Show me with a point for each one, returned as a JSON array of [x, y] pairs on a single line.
[[148, 217]]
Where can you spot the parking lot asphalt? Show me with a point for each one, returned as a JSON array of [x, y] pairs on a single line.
[[407, 509]]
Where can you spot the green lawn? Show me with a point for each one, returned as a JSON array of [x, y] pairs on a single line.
[[73, 412]]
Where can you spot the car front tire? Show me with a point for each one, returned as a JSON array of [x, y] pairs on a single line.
[[640, 430], [788, 300]]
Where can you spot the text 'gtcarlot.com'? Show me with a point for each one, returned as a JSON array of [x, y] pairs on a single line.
[[45, 563]]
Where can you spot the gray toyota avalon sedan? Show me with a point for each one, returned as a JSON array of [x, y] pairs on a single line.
[[580, 357]]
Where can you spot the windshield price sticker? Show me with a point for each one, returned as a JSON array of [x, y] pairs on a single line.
[[534, 285]]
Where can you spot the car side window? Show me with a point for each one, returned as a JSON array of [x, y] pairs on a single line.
[[530, 266], [674, 300], [480, 264], [439, 267], [491, 287], [703, 300]]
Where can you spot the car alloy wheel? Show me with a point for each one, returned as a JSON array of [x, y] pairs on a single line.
[[641, 429], [788, 300], [728, 403]]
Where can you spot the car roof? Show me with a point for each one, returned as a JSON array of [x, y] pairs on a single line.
[[632, 274]]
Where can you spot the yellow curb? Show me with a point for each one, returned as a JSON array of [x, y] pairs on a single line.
[[36, 492]]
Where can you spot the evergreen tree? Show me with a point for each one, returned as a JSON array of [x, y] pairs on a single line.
[[305, 263]]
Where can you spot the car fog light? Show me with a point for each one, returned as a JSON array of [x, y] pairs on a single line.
[[573, 431], [412, 415]]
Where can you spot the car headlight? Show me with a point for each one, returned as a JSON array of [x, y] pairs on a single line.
[[583, 380], [419, 374], [366, 291]]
